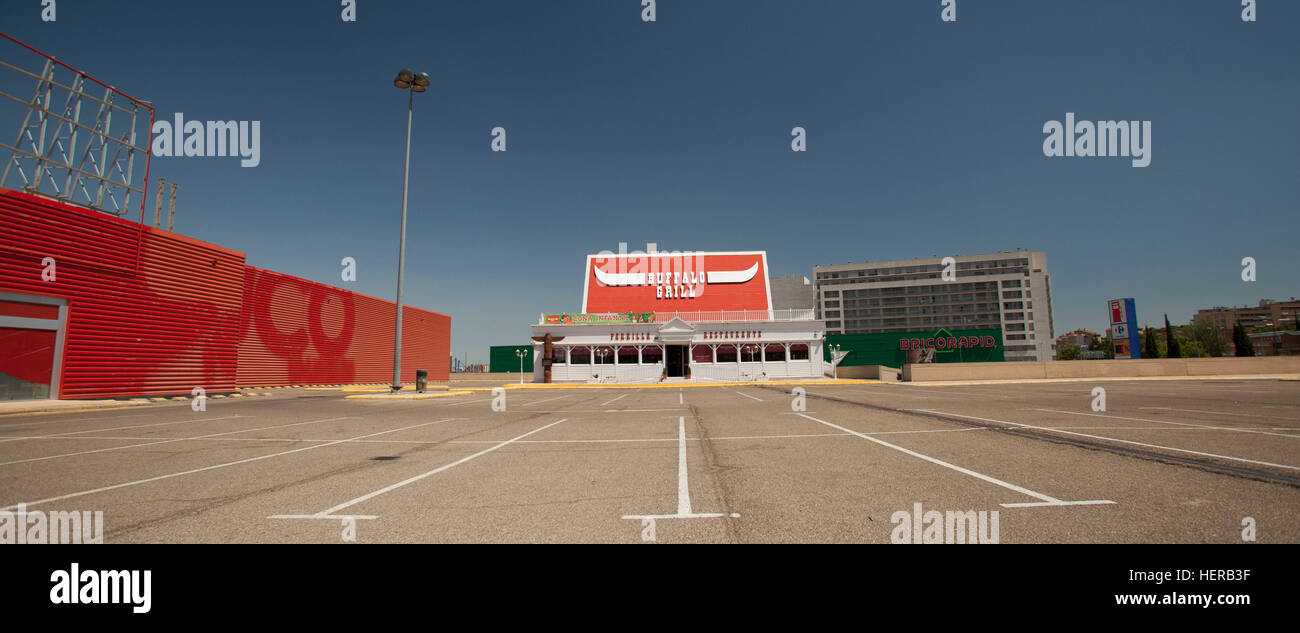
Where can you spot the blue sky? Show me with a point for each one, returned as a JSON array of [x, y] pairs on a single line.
[[924, 138]]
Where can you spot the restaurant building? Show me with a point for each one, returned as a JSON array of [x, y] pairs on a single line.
[[660, 316]]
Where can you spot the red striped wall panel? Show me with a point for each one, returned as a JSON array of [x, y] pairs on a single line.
[[160, 328], [298, 332], [189, 314]]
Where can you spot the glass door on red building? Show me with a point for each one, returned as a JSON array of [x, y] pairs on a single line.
[[31, 338]]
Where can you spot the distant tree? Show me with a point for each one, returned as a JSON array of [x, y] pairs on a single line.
[[1171, 342], [1069, 351], [1149, 349], [1107, 345], [1242, 340], [1210, 337]]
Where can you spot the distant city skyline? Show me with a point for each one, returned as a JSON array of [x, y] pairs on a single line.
[[922, 138]]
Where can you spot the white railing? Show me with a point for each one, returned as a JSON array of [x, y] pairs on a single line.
[[717, 316]]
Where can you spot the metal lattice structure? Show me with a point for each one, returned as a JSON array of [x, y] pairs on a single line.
[[79, 140]]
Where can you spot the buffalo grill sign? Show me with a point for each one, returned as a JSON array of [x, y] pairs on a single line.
[[676, 282]]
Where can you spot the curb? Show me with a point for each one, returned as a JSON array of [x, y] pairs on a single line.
[[404, 396], [698, 385]]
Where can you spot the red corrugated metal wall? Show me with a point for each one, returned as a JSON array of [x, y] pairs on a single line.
[[302, 332], [193, 315], [164, 329]]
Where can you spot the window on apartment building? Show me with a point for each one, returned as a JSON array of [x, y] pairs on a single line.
[[1015, 327]]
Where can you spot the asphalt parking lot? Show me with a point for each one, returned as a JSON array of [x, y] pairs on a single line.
[[1165, 461]]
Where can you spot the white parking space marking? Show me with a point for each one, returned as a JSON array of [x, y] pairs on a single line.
[[683, 487], [136, 426], [457, 404], [329, 514], [1113, 439], [214, 467], [27, 418], [748, 396], [1187, 424], [165, 441], [544, 400], [614, 400], [1243, 415], [1047, 501]]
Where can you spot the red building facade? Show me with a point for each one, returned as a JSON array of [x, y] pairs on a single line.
[[93, 306]]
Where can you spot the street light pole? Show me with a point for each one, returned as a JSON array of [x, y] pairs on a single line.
[[521, 354], [414, 83]]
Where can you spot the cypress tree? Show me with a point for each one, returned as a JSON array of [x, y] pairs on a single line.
[[1172, 350], [1241, 340], [1149, 349]]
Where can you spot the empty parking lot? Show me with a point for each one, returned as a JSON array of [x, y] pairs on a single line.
[[1165, 461]]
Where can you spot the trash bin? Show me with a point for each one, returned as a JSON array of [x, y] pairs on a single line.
[[421, 380]]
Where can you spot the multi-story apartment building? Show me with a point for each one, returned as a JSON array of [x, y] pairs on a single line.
[[1269, 313], [1009, 290]]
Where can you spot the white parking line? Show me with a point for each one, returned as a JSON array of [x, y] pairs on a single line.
[[213, 467], [330, 512], [545, 400], [136, 426], [683, 487], [165, 441], [614, 400], [748, 396], [1242, 415], [457, 404], [1113, 439], [1188, 424], [1048, 501]]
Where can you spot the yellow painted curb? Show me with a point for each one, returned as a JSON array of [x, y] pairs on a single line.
[[376, 388], [404, 395], [691, 385]]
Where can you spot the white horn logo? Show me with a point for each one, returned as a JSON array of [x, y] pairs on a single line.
[[640, 279]]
